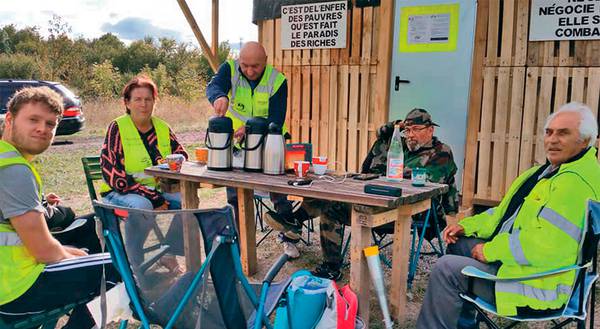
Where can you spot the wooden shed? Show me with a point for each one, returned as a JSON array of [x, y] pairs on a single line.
[[339, 97]]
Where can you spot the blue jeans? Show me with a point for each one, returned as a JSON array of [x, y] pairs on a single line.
[[136, 232]]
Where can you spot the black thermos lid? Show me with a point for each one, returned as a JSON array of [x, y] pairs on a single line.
[[220, 125], [257, 126], [274, 129]]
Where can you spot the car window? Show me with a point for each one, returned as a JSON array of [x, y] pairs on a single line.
[[65, 91], [6, 91]]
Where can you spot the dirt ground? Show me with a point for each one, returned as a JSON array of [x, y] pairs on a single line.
[[61, 168]]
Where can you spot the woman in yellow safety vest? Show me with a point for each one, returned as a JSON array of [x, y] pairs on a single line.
[[135, 141]]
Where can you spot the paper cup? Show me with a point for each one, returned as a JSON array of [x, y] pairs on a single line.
[[202, 154], [301, 168]]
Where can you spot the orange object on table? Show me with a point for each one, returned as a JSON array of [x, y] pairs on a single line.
[[202, 154]]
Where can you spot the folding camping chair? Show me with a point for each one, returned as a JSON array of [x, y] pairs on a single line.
[[586, 275], [93, 173], [218, 295]]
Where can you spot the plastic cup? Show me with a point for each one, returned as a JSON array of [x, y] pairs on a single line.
[[301, 168], [319, 164], [419, 176], [202, 154], [175, 161]]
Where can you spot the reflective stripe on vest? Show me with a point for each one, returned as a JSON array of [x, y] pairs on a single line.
[[532, 292], [561, 222], [516, 248], [10, 154], [10, 239]]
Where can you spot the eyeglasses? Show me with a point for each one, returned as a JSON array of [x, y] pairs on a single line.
[[414, 130]]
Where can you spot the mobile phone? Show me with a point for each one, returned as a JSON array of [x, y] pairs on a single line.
[[299, 181], [366, 176]]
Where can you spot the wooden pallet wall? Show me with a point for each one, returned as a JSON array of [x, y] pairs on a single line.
[[337, 98], [516, 85]]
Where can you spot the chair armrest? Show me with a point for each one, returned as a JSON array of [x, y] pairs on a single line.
[[474, 272], [276, 268]]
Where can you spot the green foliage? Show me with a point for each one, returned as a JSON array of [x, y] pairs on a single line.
[[18, 66], [105, 81], [100, 67]]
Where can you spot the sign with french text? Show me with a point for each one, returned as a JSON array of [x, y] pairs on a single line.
[[564, 20], [314, 25]]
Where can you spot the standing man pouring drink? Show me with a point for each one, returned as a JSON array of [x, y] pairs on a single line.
[[249, 87]]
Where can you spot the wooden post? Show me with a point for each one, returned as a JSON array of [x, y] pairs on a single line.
[[400, 254], [192, 245], [359, 270], [247, 230], [214, 40], [475, 104], [212, 60]]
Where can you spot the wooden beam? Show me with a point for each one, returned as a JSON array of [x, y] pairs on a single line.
[[212, 60], [214, 40], [470, 165], [382, 87]]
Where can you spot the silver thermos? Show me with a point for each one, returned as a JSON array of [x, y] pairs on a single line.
[[274, 154], [256, 131], [218, 141]]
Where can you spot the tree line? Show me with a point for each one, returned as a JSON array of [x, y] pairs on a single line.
[[100, 67]]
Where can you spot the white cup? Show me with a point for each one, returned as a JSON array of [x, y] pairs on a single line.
[[319, 169]]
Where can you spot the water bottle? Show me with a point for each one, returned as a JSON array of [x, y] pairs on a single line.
[[395, 157]]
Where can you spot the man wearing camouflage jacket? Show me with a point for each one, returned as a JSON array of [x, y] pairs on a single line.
[[421, 149]]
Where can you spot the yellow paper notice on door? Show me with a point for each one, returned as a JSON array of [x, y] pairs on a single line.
[[429, 28]]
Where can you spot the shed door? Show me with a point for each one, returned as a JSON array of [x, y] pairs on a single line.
[[431, 66]]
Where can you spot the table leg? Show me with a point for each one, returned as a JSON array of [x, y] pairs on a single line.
[[191, 231], [247, 230], [359, 270], [401, 250]]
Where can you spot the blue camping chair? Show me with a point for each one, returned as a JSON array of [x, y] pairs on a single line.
[[576, 308], [217, 295]]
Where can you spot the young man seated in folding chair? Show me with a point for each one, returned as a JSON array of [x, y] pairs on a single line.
[[535, 228], [37, 272], [421, 149]]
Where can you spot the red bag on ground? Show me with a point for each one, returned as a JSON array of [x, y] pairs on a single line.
[[341, 308]]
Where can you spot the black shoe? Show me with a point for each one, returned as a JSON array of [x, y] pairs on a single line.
[[328, 271], [282, 223]]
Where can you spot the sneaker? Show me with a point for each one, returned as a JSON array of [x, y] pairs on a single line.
[[290, 249], [328, 271]]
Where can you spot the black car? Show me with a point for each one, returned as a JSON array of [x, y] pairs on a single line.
[[72, 121]]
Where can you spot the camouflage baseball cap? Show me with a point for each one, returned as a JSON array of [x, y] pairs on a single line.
[[419, 117]]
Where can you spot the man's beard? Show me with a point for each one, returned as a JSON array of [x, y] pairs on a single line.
[[20, 143], [413, 146]]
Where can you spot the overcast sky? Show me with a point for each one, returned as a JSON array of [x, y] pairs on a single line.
[[133, 19]]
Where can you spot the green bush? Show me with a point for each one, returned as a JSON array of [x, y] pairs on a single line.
[[18, 66]]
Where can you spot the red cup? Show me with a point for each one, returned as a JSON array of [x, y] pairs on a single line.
[[301, 168], [321, 160]]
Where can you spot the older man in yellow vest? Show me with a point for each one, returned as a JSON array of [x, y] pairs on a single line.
[[537, 227], [37, 272], [246, 88]]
